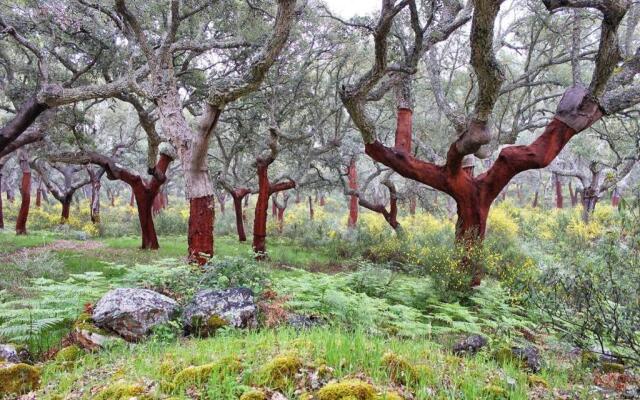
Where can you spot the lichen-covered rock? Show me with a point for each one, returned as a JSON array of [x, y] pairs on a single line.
[[529, 356], [349, 389], [299, 321], [211, 309], [14, 354], [132, 313], [470, 345], [400, 370], [18, 378]]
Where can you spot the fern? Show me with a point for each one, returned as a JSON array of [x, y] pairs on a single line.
[[48, 308]]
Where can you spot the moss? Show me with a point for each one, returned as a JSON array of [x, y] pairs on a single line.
[[18, 378], [169, 367], [350, 389], [281, 369], [122, 391], [504, 355], [400, 370], [610, 367], [69, 354], [253, 395], [199, 374], [537, 381], [208, 327], [391, 396], [588, 358], [496, 392]]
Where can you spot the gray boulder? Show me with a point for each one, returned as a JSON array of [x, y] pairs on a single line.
[[212, 309], [131, 313], [530, 357], [470, 345], [14, 354]]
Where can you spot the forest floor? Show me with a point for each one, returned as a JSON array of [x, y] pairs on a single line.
[[279, 361]]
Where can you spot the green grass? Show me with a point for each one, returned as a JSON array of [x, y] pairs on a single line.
[[441, 375], [10, 242]]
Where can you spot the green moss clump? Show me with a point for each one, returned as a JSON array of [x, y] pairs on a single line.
[[588, 358], [535, 380], [199, 374], [194, 374], [209, 327], [122, 391], [281, 369], [18, 378], [253, 395], [496, 392], [610, 367], [69, 354], [350, 389], [391, 396], [400, 370], [503, 355]]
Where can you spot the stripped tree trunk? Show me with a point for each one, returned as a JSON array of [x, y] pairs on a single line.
[[260, 220], [25, 193], [237, 195], [310, 209], [558, 185]]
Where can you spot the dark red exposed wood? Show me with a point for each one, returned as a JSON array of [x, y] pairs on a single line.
[[39, 196], [558, 186], [262, 204], [237, 195], [573, 194], [200, 235], [66, 207], [25, 193], [404, 130]]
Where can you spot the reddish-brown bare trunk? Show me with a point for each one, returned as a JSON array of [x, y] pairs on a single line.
[[589, 201], [352, 174], [132, 199], [237, 195], [144, 200], [260, 220], [404, 130], [66, 208], [200, 236], [322, 201], [615, 197], [39, 197], [535, 200], [558, 186], [25, 193], [158, 204], [281, 219]]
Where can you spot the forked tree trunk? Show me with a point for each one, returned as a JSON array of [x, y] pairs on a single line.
[[352, 175], [25, 192], [558, 185]]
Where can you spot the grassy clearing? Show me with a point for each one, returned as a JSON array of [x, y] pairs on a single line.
[[346, 354]]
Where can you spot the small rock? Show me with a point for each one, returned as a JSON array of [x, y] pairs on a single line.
[[470, 345], [132, 313], [234, 306], [14, 354], [298, 321], [529, 356]]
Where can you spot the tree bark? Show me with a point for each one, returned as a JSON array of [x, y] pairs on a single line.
[[39, 195], [25, 116], [95, 201], [535, 200], [1, 205], [615, 198], [558, 185], [237, 195], [25, 192], [589, 201], [311, 209], [260, 220], [132, 199], [66, 207], [412, 204], [200, 236], [352, 174], [573, 195]]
